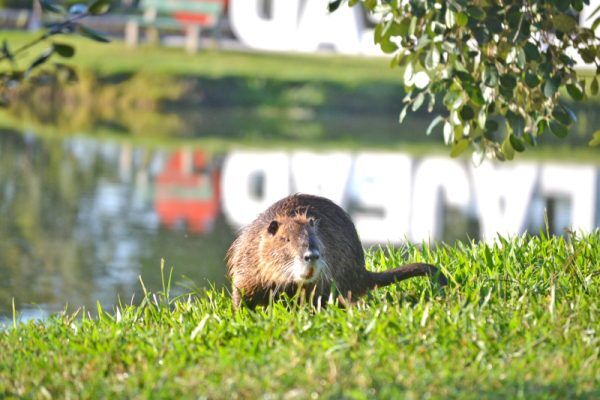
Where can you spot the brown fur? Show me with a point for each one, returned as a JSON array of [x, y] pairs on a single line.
[[256, 260]]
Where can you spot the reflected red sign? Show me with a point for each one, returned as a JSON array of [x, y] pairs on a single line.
[[188, 191]]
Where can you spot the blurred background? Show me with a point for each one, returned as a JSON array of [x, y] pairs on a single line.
[[193, 120]]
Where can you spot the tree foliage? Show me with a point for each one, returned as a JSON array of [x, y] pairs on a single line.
[[499, 67], [65, 21]]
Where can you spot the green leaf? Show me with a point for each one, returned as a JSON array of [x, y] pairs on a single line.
[[545, 69], [377, 33], [333, 5], [465, 78], [541, 126], [577, 4], [99, 7], [448, 132], [476, 12], [64, 50], [431, 102], [418, 101], [482, 118], [490, 76], [475, 95], [507, 92], [594, 87], [564, 23], [6, 51], [92, 34], [596, 23], [49, 6], [413, 26], [529, 138], [517, 143], [404, 26], [462, 19], [481, 35], [433, 124], [498, 154], [408, 74], [508, 80], [517, 56], [595, 139], [432, 60], [459, 147], [422, 42], [449, 18], [575, 92], [507, 149], [532, 52], [593, 14], [516, 123], [551, 86], [403, 113], [531, 79], [521, 59], [491, 125], [494, 25], [387, 46], [562, 116], [467, 113], [588, 54], [385, 30], [513, 16], [562, 5], [41, 59], [451, 97], [572, 116], [559, 129], [458, 102]]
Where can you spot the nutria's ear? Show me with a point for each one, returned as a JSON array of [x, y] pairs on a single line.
[[273, 226]]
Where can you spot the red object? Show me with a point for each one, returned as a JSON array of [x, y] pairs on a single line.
[[188, 190], [189, 18]]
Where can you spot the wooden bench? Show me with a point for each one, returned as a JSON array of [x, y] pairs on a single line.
[[189, 15]]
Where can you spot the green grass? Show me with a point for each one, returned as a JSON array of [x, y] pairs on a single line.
[[162, 95], [519, 319], [116, 58]]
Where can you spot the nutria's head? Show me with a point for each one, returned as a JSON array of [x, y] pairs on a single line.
[[291, 250]]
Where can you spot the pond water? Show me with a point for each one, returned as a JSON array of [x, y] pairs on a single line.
[[81, 219]]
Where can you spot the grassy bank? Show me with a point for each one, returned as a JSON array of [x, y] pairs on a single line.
[[116, 59], [159, 94], [519, 319]]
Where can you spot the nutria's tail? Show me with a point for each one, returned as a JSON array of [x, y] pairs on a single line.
[[379, 279]]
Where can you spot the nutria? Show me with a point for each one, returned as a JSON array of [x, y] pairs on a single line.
[[308, 243]]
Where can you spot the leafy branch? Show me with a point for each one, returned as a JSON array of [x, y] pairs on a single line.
[[493, 64], [68, 23]]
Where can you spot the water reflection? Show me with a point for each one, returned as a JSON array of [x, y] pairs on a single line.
[[394, 196], [81, 219], [188, 191]]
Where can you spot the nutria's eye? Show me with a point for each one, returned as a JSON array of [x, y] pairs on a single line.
[[311, 222], [273, 226]]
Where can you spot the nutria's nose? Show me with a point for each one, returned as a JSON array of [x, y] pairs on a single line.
[[311, 255]]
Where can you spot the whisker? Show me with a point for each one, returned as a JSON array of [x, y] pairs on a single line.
[[283, 275], [327, 270]]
